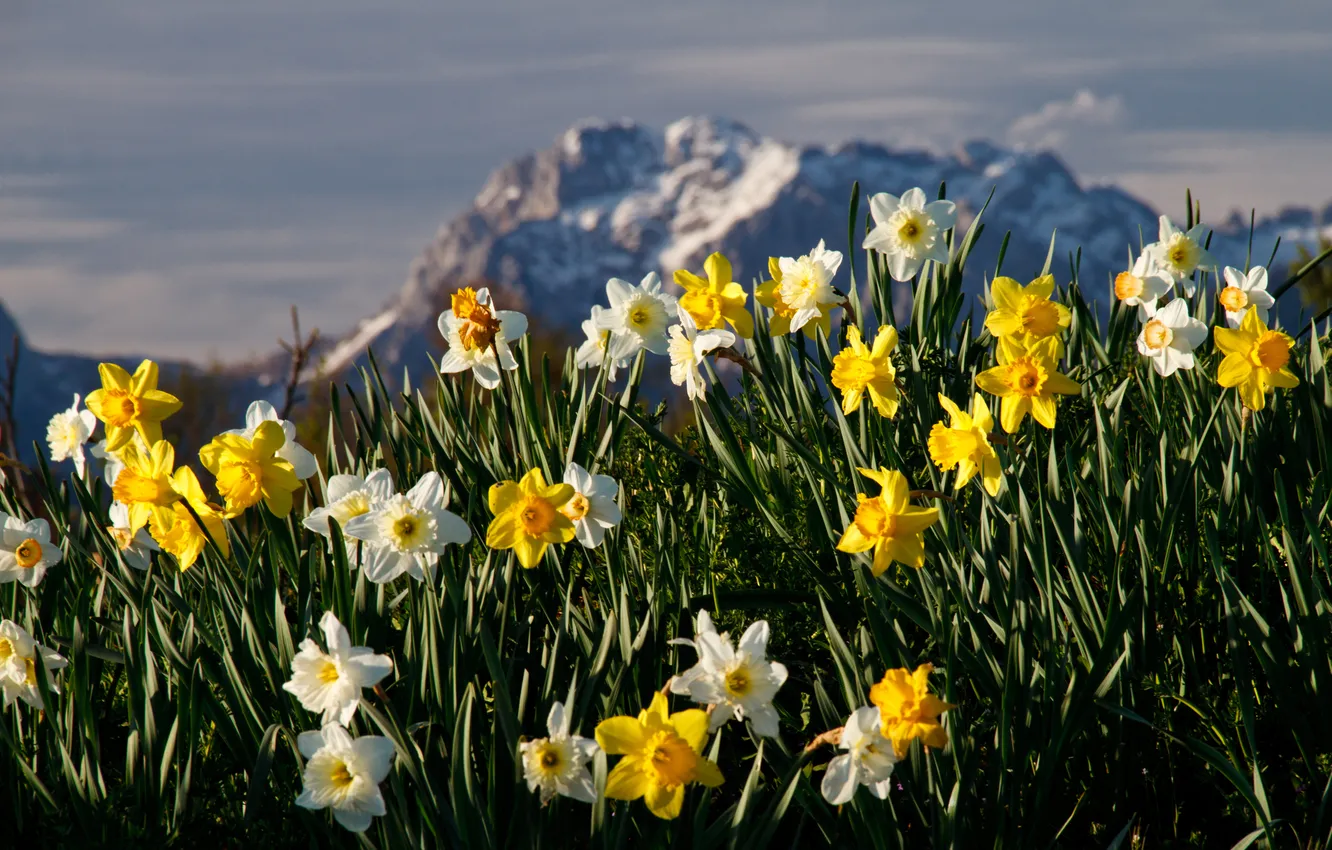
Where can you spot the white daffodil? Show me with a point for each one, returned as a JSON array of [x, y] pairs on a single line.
[[909, 231], [687, 347], [477, 335], [300, 458], [1143, 286], [1169, 337], [1243, 291], [806, 284], [343, 773], [331, 682], [136, 549], [66, 433], [868, 760], [558, 764], [593, 508], [19, 655], [407, 533], [737, 682], [347, 497], [26, 550], [1180, 254], [639, 316], [592, 353]]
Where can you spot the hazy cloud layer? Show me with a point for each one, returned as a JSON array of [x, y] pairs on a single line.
[[174, 173]]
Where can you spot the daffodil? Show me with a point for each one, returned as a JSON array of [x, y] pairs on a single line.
[[964, 444], [1244, 290], [26, 550], [737, 682], [347, 497], [716, 300], [177, 532], [662, 754], [19, 657], [639, 316], [406, 533], [1026, 314], [528, 516], [805, 286], [558, 764], [1143, 285], [144, 483], [249, 471], [129, 404], [858, 369], [1256, 359], [909, 231], [1169, 336], [1179, 253], [134, 548], [331, 682], [687, 348], [111, 460], [769, 294], [592, 509], [869, 760], [67, 432], [888, 523], [479, 336], [343, 773], [302, 462], [1027, 380], [592, 353], [907, 709]]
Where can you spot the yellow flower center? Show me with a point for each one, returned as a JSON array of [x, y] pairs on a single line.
[[874, 520], [340, 777], [121, 536], [29, 673], [1128, 285], [1026, 377], [639, 317], [28, 553], [549, 760], [241, 483], [949, 446], [479, 323], [328, 672], [704, 306], [909, 231], [1156, 336], [1183, 252], [131, 487], [120, 408], [852, 371], [1271, 351], [576, 508], [1233, 299], [350, 506], [404, 527], [7, 650], [670, 761], [537, 516], [1040, 317], [738, 683]]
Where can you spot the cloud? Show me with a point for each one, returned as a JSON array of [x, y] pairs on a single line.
[[1061, 124]]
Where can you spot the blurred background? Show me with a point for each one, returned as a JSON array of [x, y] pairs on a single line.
[[175, 173]]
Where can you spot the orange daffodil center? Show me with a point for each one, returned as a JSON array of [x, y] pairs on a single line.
[[478, 324], [716, 301], [888, 523], [529, 517], [1256, 359], [131, 403]]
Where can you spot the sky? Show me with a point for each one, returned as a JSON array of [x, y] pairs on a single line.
[[175, 173]]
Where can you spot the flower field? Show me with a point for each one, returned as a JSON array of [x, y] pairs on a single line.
[[1028, 575]]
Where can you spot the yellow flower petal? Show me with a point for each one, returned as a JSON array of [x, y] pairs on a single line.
[[620, 735]]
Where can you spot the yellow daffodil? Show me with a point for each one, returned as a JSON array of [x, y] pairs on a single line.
[[965, 443], [143, 484], [1256, 359], [1027, 379], [769, 294], [177, 532], [662, 754], [888, 523], [908, 710], [1026, 313], [528, 517], [127, 403], [859, 368], [717, 299], [249, 470]]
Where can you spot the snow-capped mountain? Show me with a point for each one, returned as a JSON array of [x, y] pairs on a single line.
[[620, 199]]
